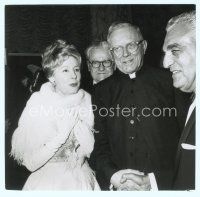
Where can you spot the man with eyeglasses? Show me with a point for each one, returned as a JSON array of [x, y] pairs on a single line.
[[99, 61], [134, 151]]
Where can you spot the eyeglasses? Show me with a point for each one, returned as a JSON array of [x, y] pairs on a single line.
[[106, 63], [130, 47]]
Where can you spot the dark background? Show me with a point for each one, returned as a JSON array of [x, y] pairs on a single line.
[[30, 28]]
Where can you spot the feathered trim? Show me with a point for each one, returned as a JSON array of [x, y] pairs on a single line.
[[36, 130]]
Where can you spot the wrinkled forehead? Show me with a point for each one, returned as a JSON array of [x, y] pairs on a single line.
[[125, 33], [180, 34], [100, 52]]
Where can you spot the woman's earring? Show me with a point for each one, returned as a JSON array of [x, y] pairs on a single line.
[[53, 84], [52, 81]]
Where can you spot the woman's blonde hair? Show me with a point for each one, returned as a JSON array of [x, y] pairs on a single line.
[[55, 54]]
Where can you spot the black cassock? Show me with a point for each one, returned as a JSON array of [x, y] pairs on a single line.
[[141, 139]]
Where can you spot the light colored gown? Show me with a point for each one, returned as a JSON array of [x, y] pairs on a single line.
[[57, 160]]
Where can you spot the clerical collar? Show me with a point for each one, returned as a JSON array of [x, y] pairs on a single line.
[[132, 76], [94, 82]]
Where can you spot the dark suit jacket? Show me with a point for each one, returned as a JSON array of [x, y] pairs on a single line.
[[136, 141], [185, 159]]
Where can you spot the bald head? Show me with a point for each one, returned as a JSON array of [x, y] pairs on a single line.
[[118, 26]]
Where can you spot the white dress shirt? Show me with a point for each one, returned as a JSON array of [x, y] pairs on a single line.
[[192, 106]]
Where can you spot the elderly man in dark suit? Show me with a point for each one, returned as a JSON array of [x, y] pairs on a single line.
[[136, 137], [180, 57], [99, 61]]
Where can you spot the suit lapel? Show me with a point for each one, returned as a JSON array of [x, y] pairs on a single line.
[[185, 133], [187, 127]]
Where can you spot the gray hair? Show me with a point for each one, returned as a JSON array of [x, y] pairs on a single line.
[[186, 18], [55, 54], [103, 44], [118, 25]]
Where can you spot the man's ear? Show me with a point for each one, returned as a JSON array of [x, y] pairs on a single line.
[[114, 66], [144, 46], [88, 64]]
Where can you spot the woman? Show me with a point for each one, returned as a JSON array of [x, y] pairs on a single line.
[[54, 136]]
